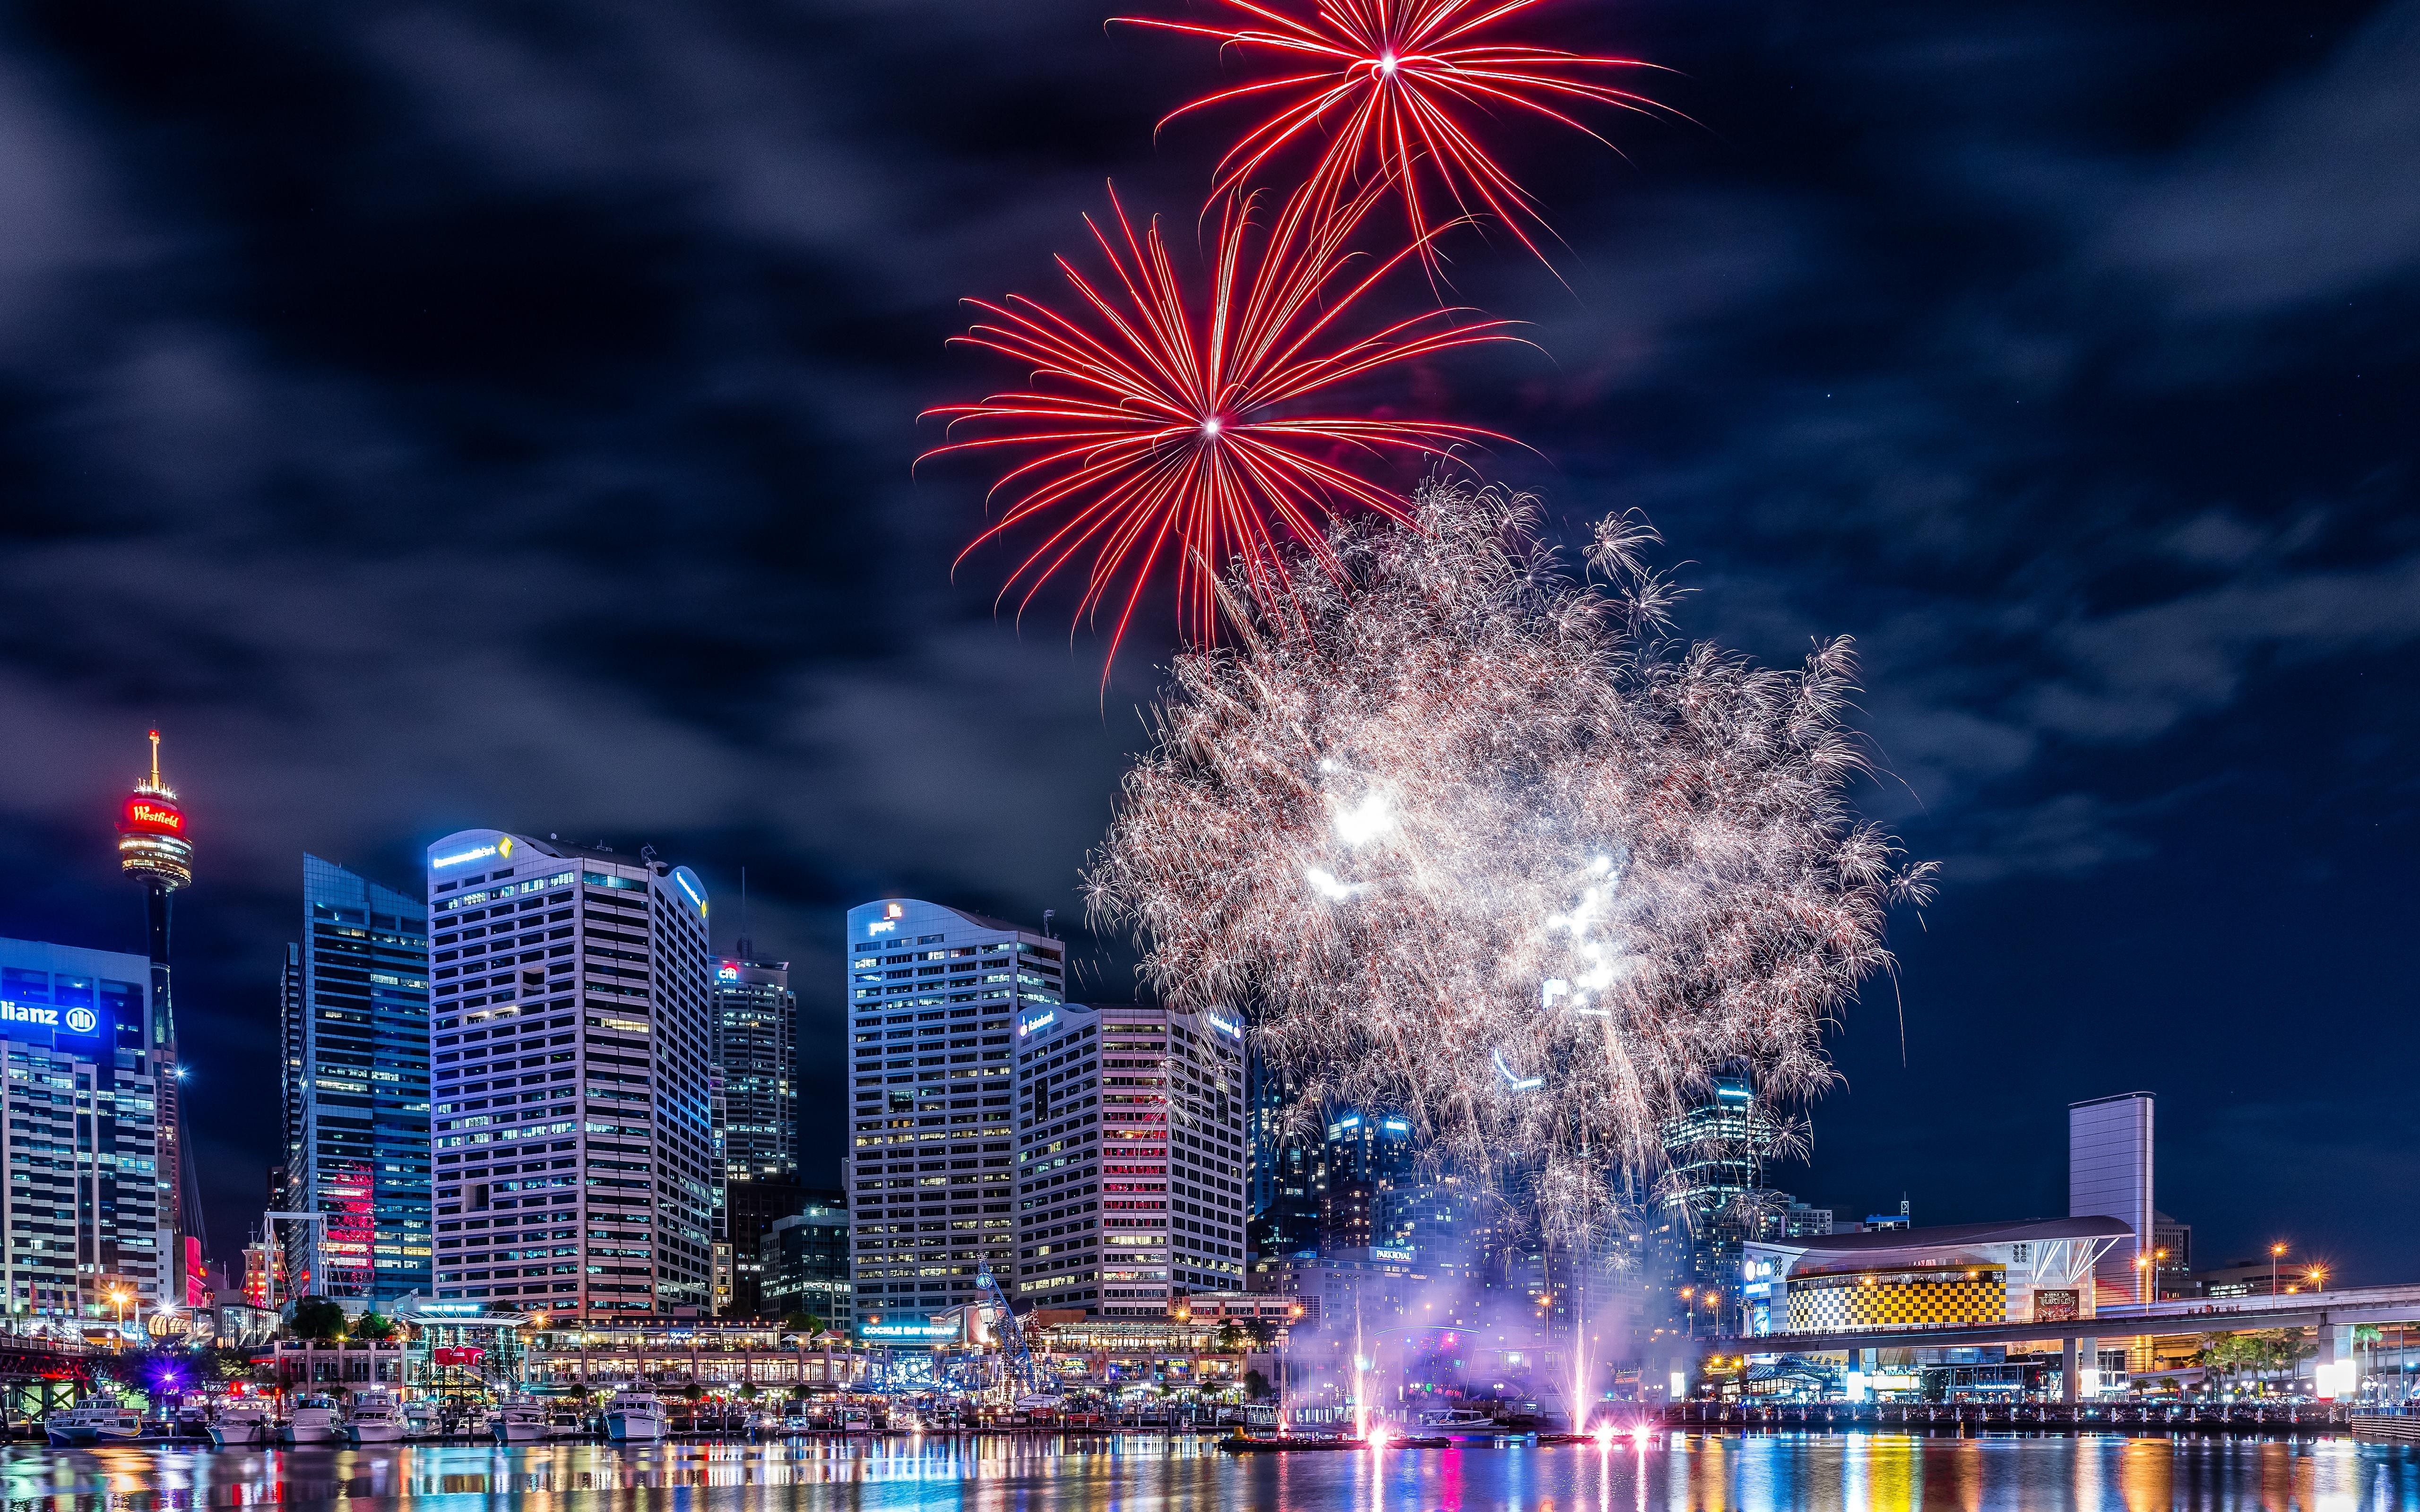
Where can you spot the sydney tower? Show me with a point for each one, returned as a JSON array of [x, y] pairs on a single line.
[[154, 849]]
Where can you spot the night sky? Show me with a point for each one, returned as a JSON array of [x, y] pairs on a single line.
[[501, 413]]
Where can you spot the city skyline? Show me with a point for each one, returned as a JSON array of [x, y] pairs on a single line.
[[427, 468], [821, 1161]]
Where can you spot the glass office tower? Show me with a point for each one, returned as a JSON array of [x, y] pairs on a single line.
[[355, 1083]]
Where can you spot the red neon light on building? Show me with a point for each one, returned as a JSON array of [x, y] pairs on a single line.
[[147, 815]]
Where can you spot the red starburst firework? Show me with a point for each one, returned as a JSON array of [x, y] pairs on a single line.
[[1175, 431], [1393, 84]]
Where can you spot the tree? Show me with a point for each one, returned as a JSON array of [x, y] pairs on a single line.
[[376, 1326], [1256, 1386], [692, 1392], [1231, 1339], [750, 1392], [317, 1318]]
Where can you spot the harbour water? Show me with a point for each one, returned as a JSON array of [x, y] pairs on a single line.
[[1683, 1473]]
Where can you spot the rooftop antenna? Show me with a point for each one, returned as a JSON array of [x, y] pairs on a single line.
[[745, 946], [1047, 914]]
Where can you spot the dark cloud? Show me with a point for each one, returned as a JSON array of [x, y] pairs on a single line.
[[459, 414]]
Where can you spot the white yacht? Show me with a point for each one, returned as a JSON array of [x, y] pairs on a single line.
[[94, 1420], [520, 1421], [635, 1417], [314, 1420], [375, 1418], [243, 1425], [420, 1420]]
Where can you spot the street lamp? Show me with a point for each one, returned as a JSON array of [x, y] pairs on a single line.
[[1690, 1306], [2318, 1276], [2143, 1279], [2276, 1252]]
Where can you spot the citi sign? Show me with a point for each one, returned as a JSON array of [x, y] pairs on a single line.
[[76, 1019]]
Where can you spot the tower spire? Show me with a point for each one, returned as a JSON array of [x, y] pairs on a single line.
[[155, 758]]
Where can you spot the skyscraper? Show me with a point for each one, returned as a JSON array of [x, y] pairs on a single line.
[[154, 848], [2109, 1176], [753, 1069], [1130, 1157], [1288, 1176], [80, 1178], [1369, 1155], [804, 1262], [1719, 1199], [756, 1061], [571, 1122], [355, 1002], [932, 994]]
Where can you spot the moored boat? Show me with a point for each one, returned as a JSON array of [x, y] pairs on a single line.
[[375, 1418], [94, 1420], [635, 1417], [243, 1425], [314, 1420]]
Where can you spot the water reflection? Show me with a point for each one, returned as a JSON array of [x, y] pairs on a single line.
[[1694, 1472]]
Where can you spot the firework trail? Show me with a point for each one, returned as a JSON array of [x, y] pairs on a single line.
[[1176, 428], [1401, 92], [1476, 840]]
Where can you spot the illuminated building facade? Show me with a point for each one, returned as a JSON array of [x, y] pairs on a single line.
[[1130, 1157], [156, 848], [1718, 1199], [755, 1066], [2038, 1272], [1287, 1174], [1368, 1156], [2109, 1175], [355, 1002], [805, 1258], [933, 993], [81, 1170], [753, 1069], [572, 1126]]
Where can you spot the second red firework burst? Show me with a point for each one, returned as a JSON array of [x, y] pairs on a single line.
[[1172, 426]]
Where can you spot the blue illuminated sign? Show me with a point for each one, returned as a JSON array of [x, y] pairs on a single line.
[[499, 849], [77, 1028]]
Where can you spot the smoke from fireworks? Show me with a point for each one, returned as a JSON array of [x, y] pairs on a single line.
[[1169, 429], [1475, 841], [1401, 91]]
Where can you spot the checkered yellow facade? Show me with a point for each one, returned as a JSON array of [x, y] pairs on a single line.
[[1897, 1298]]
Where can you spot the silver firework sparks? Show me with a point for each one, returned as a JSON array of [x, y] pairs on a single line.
[[1473, 839]]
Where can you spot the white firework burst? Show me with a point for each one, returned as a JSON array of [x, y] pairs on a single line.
[[1471, 838]]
